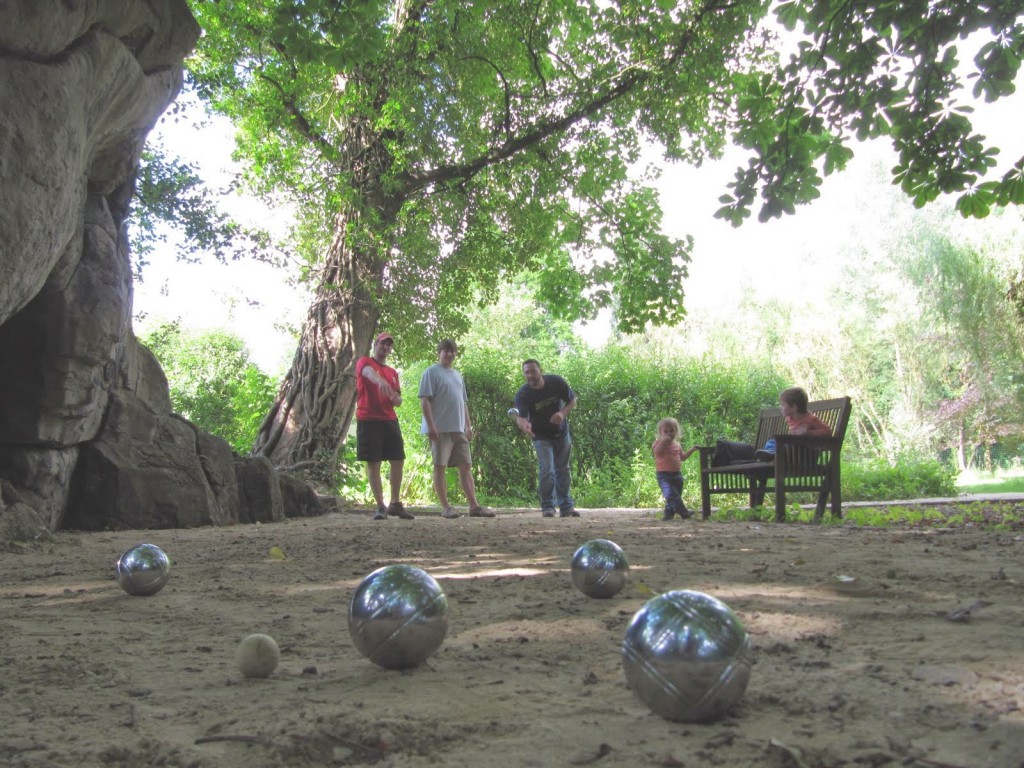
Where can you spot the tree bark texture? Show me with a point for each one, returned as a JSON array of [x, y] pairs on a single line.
[[308, 421], [305, 427]]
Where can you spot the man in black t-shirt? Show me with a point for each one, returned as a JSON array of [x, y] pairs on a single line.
[[544, 403]]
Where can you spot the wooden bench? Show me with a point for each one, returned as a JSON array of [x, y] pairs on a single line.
[[801, 463]]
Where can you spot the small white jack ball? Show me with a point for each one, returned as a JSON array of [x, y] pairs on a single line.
[[257, 655]]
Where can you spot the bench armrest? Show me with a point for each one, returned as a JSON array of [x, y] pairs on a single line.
[[808, 441], [797, 454]]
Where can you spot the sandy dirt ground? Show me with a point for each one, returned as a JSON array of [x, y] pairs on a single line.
[[915, 659]]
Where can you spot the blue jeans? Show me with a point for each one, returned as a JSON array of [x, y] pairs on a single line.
[[553, 478], [671, 484]]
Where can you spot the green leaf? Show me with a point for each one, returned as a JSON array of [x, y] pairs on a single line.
[[975, 204], [788, 14]]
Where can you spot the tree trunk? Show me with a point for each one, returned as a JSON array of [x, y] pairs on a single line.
[[316, 401], [961, 447]]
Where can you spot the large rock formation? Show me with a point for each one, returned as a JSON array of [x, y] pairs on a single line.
[[87, 436]]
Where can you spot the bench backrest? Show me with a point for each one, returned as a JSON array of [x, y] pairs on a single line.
[[835, 413]]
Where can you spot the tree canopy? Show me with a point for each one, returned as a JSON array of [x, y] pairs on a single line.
[[868, 69], [507, 129], [435, 149], [511, 127]]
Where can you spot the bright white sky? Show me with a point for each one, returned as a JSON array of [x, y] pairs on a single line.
[[254, 301]]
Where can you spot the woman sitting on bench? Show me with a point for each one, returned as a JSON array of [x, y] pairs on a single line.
[[793, 403]]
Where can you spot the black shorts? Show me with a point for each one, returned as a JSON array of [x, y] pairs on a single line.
[[379, 441]]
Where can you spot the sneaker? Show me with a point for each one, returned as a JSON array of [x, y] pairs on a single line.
[[547, 512], [380, 514], [480, 512], [569, 513], [684, 512], [764, 455], [395, 508], [449, 514], [669, 514]]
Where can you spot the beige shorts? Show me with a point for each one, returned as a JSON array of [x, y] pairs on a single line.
[[450, 450]]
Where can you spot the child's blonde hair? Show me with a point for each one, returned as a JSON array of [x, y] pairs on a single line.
[[670, 422]]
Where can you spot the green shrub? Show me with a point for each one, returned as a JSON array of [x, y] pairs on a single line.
[[909, 478], [213, 383], [622, 396]]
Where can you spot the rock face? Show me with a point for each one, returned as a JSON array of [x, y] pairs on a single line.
[[87, 436]]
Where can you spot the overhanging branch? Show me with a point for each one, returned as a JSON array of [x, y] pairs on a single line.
[[627, 81]]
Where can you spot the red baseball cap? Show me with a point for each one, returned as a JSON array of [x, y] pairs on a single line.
[[384, 336]]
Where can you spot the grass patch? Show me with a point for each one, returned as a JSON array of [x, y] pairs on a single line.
[[1004, 481], [998, 516], [992, 516]]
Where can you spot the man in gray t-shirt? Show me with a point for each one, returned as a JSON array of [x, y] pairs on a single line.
[[445, 407]]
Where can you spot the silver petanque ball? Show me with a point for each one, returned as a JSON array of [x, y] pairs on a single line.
[[143, 570], [600, 568], [398, 616], [687, 656]]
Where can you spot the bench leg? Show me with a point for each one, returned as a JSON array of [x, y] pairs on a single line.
[[837, 496], [705, 501], [780, 505], [831, 488], [757, 486], [819, 510]]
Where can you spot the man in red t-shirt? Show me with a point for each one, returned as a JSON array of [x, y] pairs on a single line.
[[378, 435]]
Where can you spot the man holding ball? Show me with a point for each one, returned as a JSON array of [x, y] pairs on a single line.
[[544, 403]]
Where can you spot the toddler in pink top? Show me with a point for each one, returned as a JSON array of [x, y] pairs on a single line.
[[668, 461]]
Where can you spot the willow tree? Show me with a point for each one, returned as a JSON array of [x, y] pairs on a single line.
[[436, 148]]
